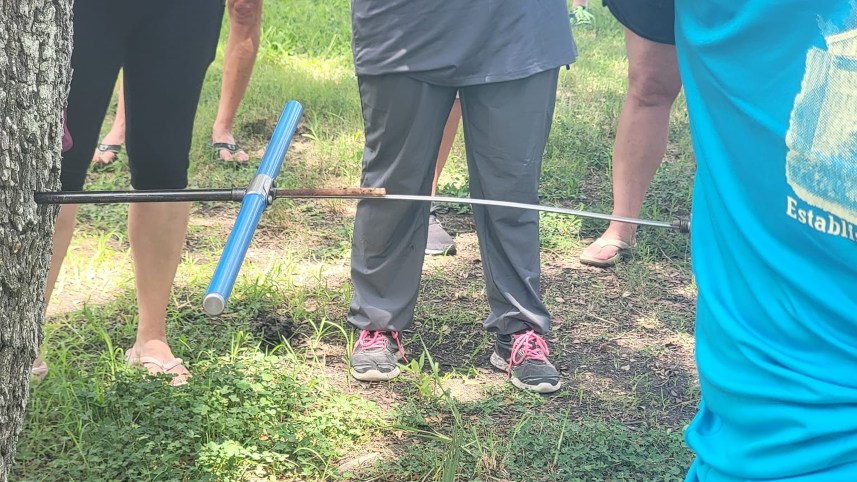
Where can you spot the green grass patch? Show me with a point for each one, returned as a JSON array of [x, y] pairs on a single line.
[[246, 413]]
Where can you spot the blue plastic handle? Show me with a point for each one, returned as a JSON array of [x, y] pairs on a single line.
[[254, 203]]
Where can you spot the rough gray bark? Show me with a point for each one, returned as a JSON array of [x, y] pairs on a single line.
[[35, 48]]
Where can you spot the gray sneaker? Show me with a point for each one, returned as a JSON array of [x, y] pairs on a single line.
[[375, 356], [524, 356], [439, 241]]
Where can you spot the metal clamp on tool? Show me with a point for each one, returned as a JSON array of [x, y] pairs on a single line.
[[256, 199], [261, 185]]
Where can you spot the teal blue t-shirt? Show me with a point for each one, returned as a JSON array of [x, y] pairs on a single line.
[[771, 90]]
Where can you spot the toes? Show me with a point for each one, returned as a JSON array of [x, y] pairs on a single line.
[[225, 155], [241, 156], [104, 157], [98, 157], [181, 376], [107, 158], [238, 156]]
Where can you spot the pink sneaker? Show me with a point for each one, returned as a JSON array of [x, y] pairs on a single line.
[[376, 355], [524, 356]]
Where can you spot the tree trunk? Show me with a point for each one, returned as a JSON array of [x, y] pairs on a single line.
[[35, 49]]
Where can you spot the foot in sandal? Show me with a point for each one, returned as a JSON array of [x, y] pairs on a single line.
[[227, 149], [605, 252], [155, 356], [108, 151]]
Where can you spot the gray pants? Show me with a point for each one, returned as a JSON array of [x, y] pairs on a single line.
[[506, 126]]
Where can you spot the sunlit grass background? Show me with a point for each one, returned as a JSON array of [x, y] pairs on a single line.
[[271, 398]]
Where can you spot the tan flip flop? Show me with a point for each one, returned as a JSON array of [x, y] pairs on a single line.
[[147, 362], [623, 247]]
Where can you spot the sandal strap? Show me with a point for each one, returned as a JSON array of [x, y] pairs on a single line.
[[114, 148], [172, 364], [134, 359], [616, 243], [232, 148], [162, 364]]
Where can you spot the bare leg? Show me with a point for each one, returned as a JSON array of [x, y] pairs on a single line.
[[245, 29], [449, 132], [116, 135], [63, 231], [157, 233], [641, 136]]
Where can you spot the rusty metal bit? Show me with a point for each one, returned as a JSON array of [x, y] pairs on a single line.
[[330, 192]]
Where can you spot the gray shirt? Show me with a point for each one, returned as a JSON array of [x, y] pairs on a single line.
[[461, 42]]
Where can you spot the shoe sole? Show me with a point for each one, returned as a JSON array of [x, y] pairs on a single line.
[[133, 360], [602, 263], [545, 387], [375, 375], [624, 254], [438, 252]]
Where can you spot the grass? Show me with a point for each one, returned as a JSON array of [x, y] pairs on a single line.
[[271, 398]]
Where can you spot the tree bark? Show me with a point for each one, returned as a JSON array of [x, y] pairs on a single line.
[[35, 49]]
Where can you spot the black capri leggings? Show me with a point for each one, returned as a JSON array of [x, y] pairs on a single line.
[[164, 48]]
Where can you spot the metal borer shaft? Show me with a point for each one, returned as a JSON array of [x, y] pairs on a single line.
[[681, 224]]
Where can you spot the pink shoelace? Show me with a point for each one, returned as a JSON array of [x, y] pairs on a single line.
[[377, 340], [528, 345]]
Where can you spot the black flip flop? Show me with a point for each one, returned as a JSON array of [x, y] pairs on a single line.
[[116, 149], [104, 148], [231, 148]]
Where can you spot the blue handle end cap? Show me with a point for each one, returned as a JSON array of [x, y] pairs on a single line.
[[213, 304]]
